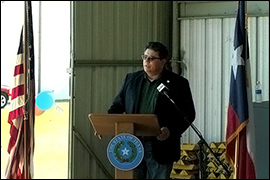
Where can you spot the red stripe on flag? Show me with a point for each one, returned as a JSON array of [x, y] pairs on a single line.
[[246, 166], [17, 91], [13, 137], [233, 122], [18, 70], [15, 114]]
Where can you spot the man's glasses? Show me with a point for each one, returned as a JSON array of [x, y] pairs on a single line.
[[147, 58]]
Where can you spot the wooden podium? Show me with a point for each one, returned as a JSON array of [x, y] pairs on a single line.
[[114, 124]]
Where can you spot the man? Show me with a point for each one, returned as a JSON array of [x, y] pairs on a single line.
[[139, 95]]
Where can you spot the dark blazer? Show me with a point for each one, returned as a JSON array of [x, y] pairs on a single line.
[[179, 91]]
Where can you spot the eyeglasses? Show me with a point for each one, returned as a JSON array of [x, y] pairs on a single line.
[[147, 58]]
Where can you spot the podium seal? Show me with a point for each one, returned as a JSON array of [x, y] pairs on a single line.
[[125, 151]]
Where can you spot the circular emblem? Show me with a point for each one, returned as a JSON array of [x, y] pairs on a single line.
[[125, 151]]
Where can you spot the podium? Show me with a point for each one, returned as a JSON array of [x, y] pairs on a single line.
[[114, 124]]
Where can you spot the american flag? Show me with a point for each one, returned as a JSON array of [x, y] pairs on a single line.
[[240, 144], [22, 115]]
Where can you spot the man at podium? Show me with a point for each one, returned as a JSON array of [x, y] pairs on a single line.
[[139, 95]]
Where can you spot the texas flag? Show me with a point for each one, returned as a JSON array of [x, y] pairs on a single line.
[[240, 138]]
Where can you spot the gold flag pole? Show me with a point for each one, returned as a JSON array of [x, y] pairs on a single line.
[[236, 157]]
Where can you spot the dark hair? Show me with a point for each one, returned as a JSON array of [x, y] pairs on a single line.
[[158, 47]]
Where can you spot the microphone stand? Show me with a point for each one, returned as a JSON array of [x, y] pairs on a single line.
[[202, 140]]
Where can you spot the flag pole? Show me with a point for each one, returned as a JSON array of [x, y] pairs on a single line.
[[236, 156], [26, 107]]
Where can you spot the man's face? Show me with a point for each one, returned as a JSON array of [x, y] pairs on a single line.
[[152, 64]]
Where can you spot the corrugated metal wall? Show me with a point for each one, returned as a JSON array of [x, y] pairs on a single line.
[[117, 30], [108, 39], [206, 39]]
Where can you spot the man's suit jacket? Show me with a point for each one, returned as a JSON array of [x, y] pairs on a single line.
[[126, 101]]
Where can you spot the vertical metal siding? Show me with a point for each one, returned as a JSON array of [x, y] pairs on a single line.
[[192, 39], [258, 34], [118, 30], [213, 81], [263, 55], [206, 44]]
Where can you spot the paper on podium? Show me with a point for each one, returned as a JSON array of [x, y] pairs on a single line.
[[144, 124]]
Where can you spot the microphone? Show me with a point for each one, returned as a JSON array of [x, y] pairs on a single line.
[[164, 90]]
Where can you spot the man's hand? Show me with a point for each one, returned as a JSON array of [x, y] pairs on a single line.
[[165, 133]]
